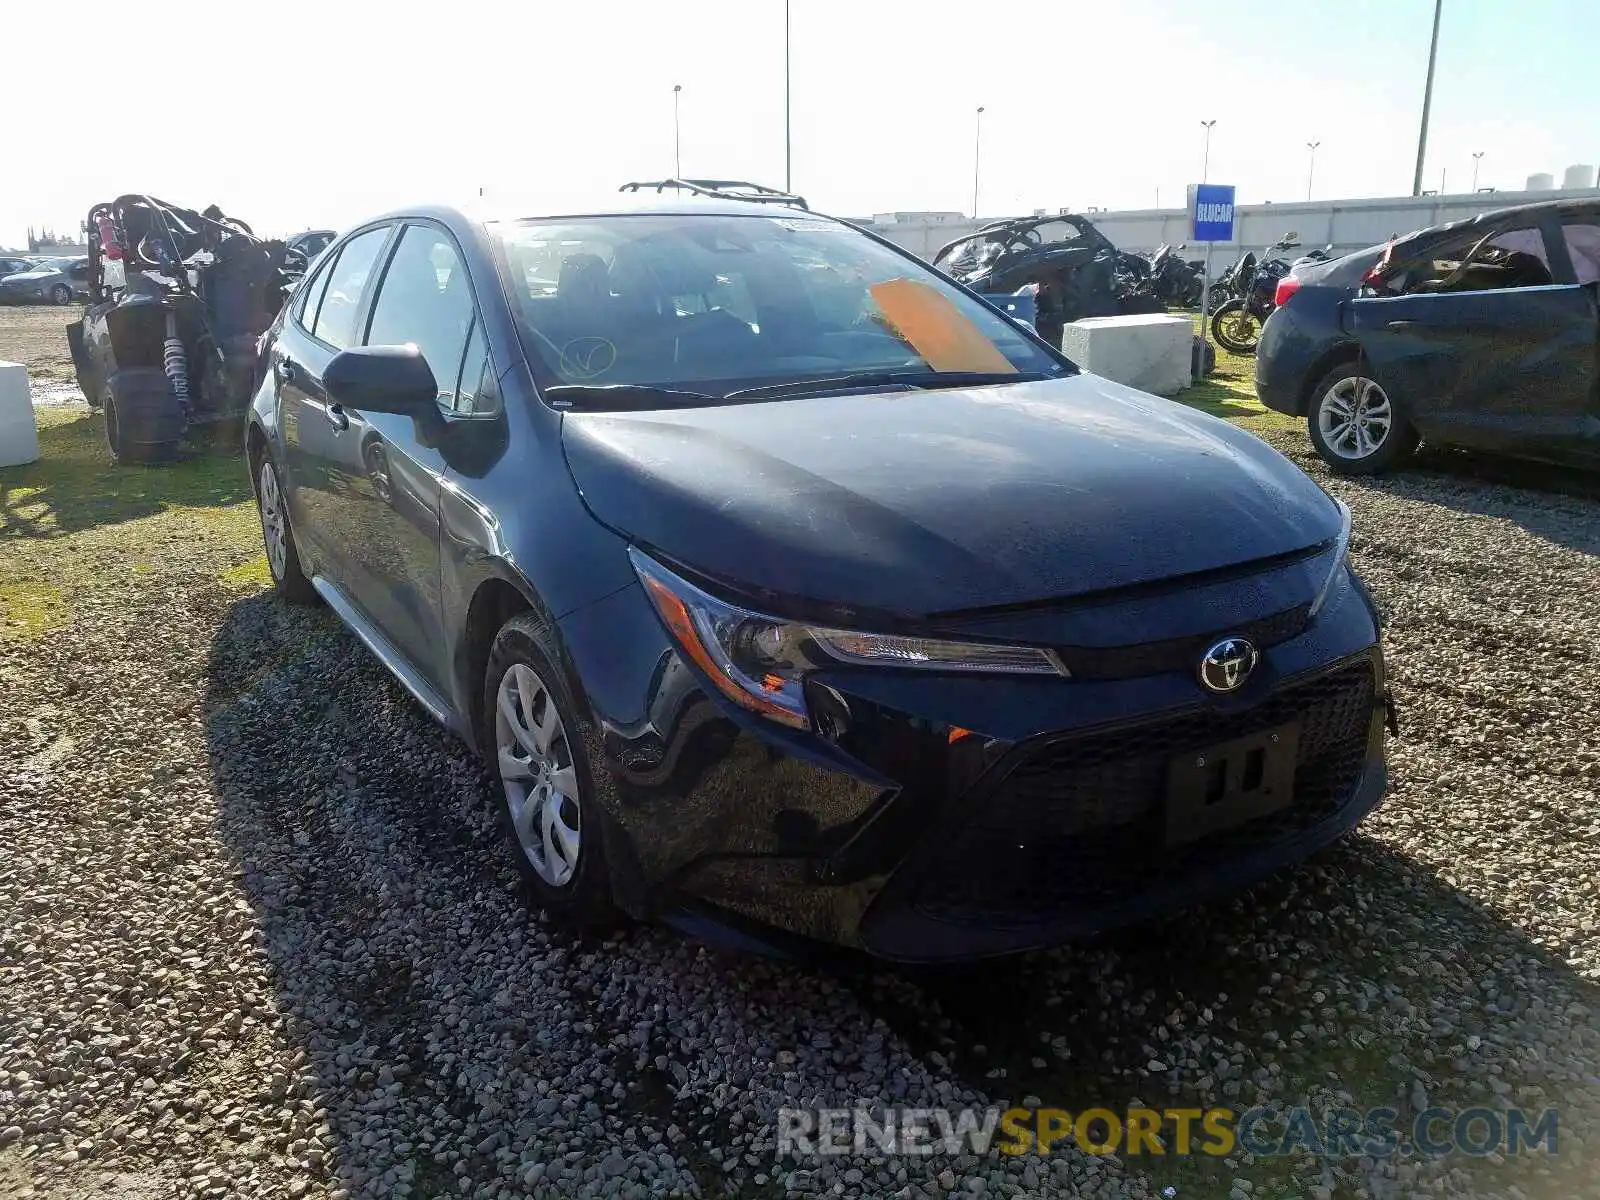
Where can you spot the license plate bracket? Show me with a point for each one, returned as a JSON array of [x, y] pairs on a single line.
[[1219, 786]]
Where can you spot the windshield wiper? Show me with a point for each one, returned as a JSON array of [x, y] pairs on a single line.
[[625, 396], [911, 379]]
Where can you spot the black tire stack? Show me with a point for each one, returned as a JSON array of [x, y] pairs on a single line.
[[143, 420]]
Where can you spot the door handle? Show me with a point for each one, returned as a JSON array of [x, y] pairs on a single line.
[[1400, 325], [337, 417]]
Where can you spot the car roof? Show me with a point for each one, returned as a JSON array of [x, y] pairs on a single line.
[[1560, 207], [604, 204]]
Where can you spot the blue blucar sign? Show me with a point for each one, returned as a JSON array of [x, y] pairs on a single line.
[[1211, 212]]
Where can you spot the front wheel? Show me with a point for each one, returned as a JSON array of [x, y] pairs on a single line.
[[61, 294], [1236, 328], [549, 808], [1354, 425]]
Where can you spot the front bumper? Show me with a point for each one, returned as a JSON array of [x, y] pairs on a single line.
[[943, 818]]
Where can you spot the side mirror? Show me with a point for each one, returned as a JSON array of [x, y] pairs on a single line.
[[389, 379]]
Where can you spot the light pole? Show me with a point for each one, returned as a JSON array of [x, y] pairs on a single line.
[[1311, 169], [1427, 101], [1205, 161], [677, 141], [788, 174], [1476, 155], [977, 157]]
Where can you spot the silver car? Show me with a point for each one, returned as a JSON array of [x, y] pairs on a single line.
[[53, 281]]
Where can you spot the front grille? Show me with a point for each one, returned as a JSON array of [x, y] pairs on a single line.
[[1079, 820], [1177, 654]]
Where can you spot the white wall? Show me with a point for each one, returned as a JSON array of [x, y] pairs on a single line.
[[1348, 224]]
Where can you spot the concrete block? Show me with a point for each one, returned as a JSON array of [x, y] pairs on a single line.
[[1152, 351], [19, 432]]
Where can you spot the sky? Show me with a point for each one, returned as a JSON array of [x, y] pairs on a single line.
[[295, 115]]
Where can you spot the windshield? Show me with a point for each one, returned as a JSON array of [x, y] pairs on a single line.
[[717, 304]]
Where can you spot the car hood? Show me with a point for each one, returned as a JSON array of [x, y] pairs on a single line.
[[914, 503]]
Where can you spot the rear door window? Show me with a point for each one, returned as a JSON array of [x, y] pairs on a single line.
[[335, 321], [1583, 247], [309, 294], [1479, 262]]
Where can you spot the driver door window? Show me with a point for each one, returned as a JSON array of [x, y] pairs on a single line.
[[425, 300]]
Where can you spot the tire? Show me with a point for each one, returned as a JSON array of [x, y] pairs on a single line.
[[1235, 328], [1347, 391], [61, 294], [547, 802], [143, 423], [277, 535]]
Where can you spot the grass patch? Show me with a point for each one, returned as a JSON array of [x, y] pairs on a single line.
[[29, 609], [249, 576], [78, 524], [1229, 392], [75, 485]]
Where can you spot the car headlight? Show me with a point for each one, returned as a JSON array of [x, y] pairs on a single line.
[[1341, 558], [760, 662]]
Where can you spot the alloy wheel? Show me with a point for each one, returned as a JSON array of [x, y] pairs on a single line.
[[537, 772], [273, 521], [1355, 417]]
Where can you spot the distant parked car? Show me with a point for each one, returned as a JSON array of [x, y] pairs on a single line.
[[11, 264], [54, 281], [1480, 334], [309, 244]]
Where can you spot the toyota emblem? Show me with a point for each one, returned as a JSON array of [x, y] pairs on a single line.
[[1226, 666]]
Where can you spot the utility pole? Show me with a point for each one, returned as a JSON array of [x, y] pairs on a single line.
[[788, 173], [1476, 155], [1205, 161], [1312, 169], [977, 153], [1427, 100], [677, 142]]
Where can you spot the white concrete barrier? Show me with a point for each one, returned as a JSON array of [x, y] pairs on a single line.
[[19, 432], [1152, 352]]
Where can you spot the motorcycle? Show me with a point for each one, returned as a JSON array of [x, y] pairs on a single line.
[[1173, 280], [1236, 322], [1312, 257], [1151, 283]]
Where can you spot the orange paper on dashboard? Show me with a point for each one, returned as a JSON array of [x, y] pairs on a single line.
[[936, 328]]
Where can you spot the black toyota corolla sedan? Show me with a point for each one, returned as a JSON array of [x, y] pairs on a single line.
[[789, 588]]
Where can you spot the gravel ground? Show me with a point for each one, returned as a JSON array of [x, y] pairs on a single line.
[[258, 936], [32, 334]]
